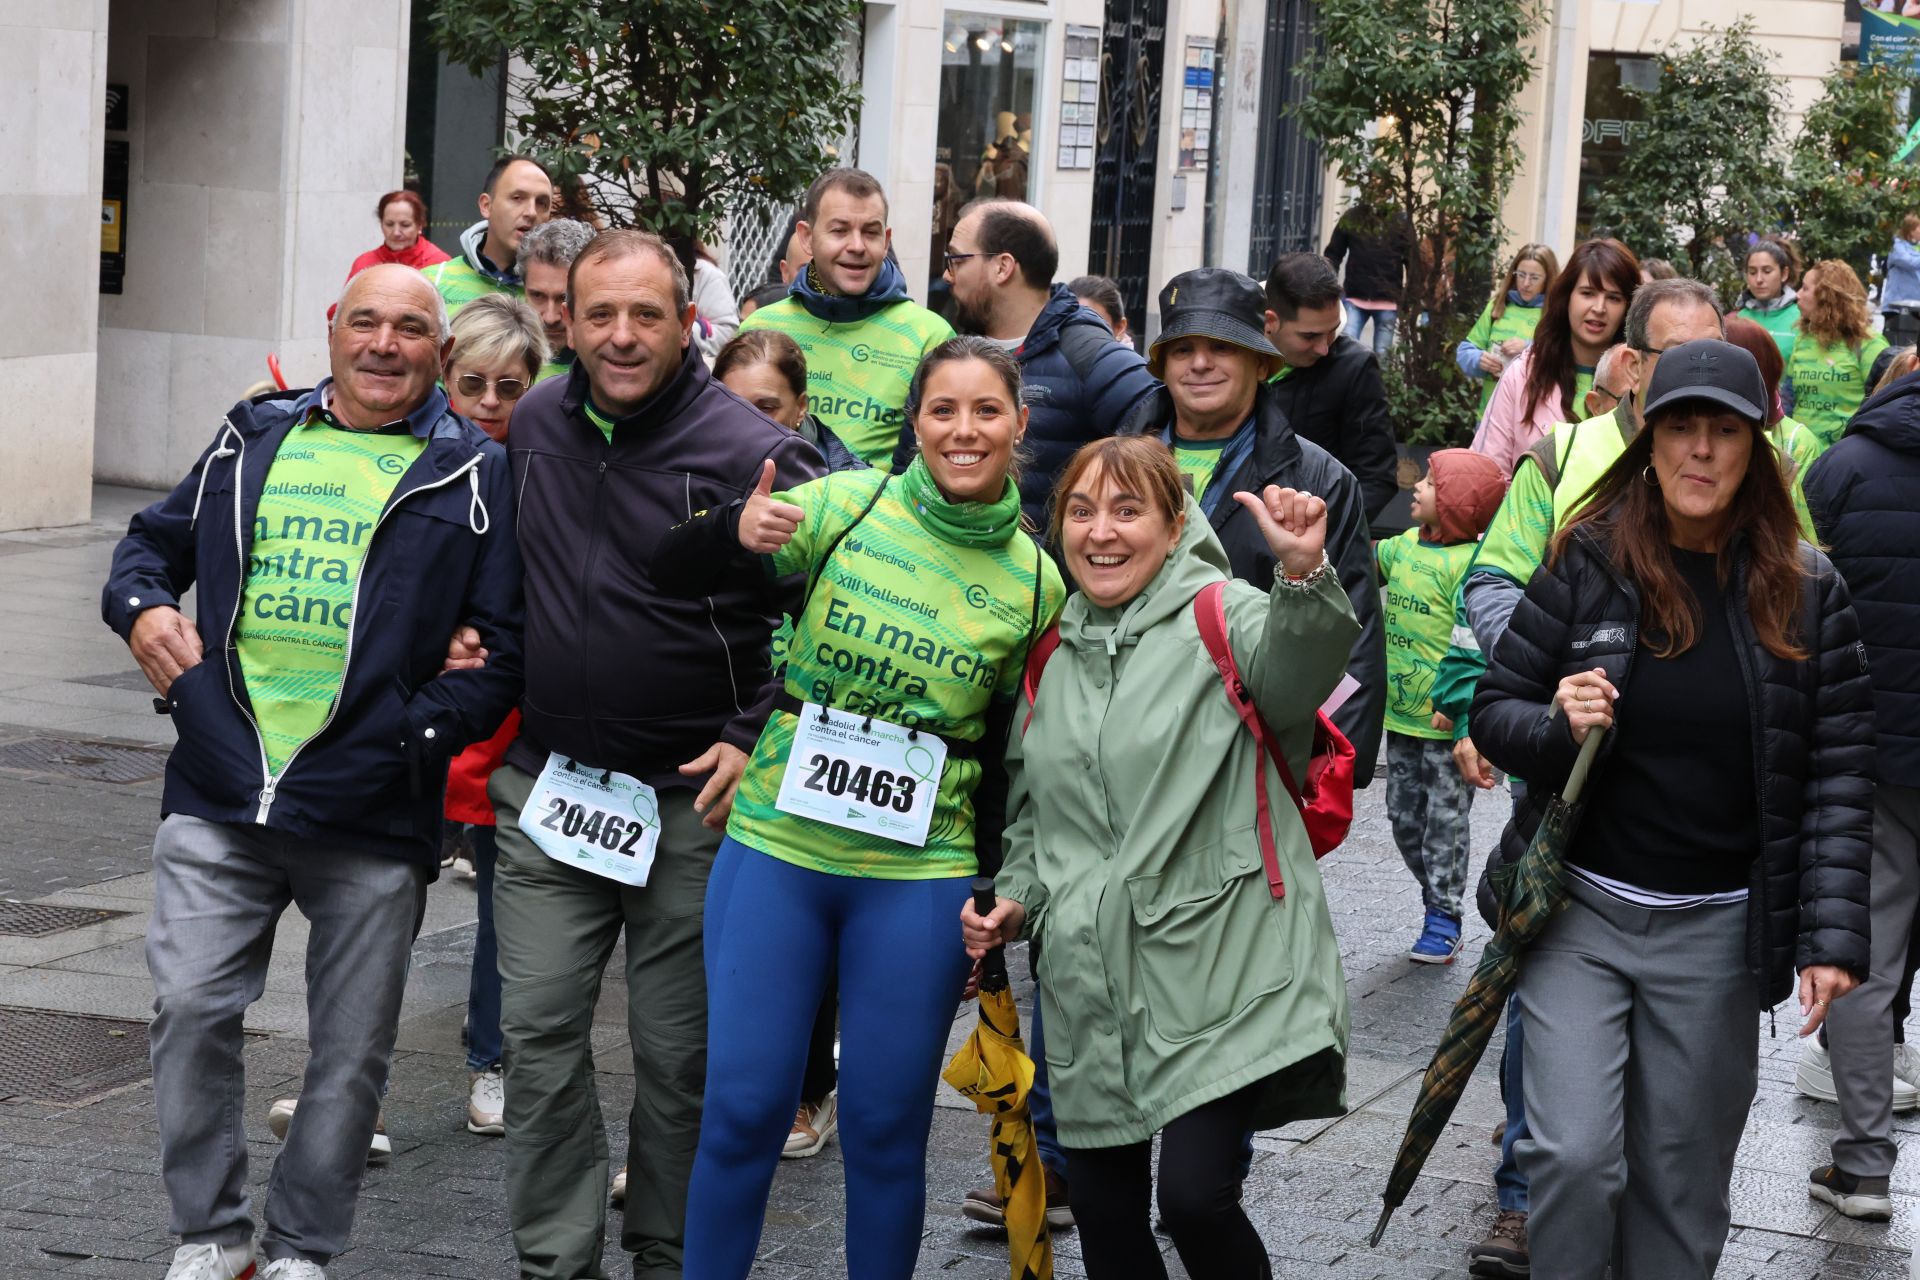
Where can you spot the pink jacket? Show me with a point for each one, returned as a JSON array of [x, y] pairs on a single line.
[[1504, 433]]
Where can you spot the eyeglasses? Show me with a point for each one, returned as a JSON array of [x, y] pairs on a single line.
[[1529, 277], [959, 257], [473, 386]]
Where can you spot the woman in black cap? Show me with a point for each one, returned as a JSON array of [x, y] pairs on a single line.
[[1725, 841]]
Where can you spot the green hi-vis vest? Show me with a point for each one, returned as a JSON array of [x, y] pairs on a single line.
[[1575, 459]]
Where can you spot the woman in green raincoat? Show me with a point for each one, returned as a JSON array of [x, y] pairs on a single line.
[[1181, 997]]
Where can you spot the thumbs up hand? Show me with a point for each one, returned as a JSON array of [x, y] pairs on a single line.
[[767, 525]]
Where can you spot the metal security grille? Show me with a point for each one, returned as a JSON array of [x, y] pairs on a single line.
[[1286, 190], [63, 1059], [38, 919], [86, 761], [1128, 134]]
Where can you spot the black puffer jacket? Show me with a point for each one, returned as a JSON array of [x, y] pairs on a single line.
[[1861, 494], [1339, 403], [1813, 719]]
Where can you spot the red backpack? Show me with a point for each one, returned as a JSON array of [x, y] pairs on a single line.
[[1326, 806]]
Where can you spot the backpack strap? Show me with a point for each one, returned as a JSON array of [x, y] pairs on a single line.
[[1036, 666], [1210, 613]]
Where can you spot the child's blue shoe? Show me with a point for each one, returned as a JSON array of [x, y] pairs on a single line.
[[1439, 941]]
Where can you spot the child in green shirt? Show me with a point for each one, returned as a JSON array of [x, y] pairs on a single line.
[[1420, 573]]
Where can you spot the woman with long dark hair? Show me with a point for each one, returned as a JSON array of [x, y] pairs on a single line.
[[1585, 309], [1769, 299], [1725, 840]]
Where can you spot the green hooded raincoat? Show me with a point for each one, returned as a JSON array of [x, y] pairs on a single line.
[[1170, 974]]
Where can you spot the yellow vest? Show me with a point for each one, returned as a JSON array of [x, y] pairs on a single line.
[[1574, 455]]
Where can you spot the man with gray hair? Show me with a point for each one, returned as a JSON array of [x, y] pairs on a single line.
[[546, 255], [335, 537], [1549, 483]]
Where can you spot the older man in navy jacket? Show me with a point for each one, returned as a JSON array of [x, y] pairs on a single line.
[[337, 538]]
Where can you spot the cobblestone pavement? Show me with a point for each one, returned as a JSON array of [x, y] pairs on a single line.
[[80, 1191]]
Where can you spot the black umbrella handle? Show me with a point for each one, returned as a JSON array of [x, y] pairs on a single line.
[[993, 966]]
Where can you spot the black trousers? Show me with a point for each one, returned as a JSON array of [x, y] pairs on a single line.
[[1201, 1168]]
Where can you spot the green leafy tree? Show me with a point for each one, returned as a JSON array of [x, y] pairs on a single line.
[[1701, 168], [669, 113], [1439, 80], [1846, 192]]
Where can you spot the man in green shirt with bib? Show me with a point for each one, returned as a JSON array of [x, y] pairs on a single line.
[[849, 311]]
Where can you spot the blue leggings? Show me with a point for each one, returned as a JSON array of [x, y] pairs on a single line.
[[773, 933]]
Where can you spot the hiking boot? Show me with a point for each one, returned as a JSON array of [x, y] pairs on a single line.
[[1503, 1253], [280, 1119], [1814, 1077], [812, 1127], [620, 1187], [487, 1103], [1439, 940], [212, 1262], [984, 1205], [1862, 1198]]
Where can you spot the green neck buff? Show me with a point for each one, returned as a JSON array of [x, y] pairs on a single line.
[[965, 524]]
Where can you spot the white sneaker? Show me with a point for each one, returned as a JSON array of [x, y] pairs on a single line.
[[293, 1269], [1814, 1077], [812, 1127], [620, 1186], [212, 1262], [280, 1119], [487, 1103], [1906, 1064], [463, 869]]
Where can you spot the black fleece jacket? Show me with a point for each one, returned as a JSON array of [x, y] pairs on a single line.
[[620, 674]]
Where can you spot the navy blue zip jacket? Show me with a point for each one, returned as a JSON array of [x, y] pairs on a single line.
[[1078, 385], [1861, 495], [442, 556]]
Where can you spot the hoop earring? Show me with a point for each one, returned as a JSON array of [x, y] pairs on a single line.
[[1648, 476]]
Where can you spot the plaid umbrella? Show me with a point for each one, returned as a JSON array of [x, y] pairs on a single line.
[[993, 1071], [1531, 893]]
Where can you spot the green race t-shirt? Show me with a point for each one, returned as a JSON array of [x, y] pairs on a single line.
[[908, 628], [1198, 460], [1781, 323], [460, 284], [323, 497], [858, 374], [1487, 333], [598, 419], [1829, 382], [1419, 580]]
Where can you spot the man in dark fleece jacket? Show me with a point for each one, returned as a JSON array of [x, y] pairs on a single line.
[[1078, 383], [1329, 385], [1861, 495], [639, 711]]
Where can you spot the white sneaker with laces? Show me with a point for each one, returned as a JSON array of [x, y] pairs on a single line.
[[280, 1119], [813, 1127], [487, 1103], [1814, 1076], [293, 1269], [1906, 1064], [212, 1262]]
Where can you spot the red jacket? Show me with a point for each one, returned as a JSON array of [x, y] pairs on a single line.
[[423, 255], [467, 776]]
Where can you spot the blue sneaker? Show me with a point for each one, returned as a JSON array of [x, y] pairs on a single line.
[[1439, 940]]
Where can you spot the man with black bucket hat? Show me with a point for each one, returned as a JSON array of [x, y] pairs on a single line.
[[1223, 421]]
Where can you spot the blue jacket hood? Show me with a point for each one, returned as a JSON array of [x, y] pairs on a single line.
[[889, 287]]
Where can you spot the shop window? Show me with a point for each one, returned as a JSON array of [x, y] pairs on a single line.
[[989, 78], [1607, 129]]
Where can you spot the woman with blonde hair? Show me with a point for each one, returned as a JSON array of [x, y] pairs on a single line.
[[1836, 347], [1505, 327], [499, 345]]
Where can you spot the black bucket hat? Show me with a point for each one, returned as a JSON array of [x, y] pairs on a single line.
[[1711, 370], [1212, 302]]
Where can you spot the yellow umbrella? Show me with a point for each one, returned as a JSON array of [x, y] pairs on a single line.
[[993, 1070]]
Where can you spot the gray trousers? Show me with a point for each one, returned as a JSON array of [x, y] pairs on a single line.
[[556, 927], [218, 893], [1641, 1059], [1860, 1026]]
